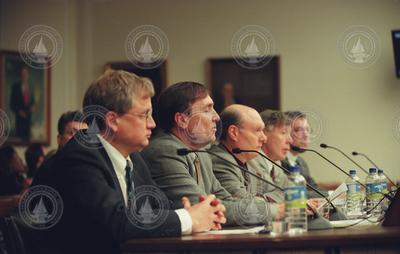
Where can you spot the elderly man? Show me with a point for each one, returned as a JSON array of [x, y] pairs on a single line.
[[242, 127], [101, 177], [189, 121], [300, 130]]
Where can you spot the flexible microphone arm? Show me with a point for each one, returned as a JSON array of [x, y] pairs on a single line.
[[345, 155], [184, 151], [376, 166], [238, 150], [365, 156], [298, 149]]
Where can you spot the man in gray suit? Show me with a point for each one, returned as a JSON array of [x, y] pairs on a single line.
[[188, 120], [242, 127], [300, 130]]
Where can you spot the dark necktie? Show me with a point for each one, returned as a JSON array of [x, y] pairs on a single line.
[[272, 173], [199, 175], [129, 182]]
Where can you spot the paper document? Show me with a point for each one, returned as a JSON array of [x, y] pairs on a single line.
[[235, 231]]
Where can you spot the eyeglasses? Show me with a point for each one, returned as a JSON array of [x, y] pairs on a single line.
[[144, 116]]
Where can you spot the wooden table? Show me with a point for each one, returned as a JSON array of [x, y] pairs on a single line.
[[328, 241]]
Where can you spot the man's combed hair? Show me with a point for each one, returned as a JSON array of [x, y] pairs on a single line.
[[293, 115], [178, 98], [116, 91], [273, 118], [66, 118]]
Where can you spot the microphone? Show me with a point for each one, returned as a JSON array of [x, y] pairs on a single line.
[[345, 155], [316, 224], [376, 166], [238, 150], [184, 151], [365, 156], [295, 148]]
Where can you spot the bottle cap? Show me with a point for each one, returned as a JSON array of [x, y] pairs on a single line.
[[294, 169], [352, 171], [372, 170]]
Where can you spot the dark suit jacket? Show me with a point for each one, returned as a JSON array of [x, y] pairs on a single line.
[[94, 219], [305, 171]]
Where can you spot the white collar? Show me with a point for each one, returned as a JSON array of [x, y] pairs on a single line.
[[291, 158], [119, 164]]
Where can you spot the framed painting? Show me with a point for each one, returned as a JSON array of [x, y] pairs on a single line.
[[231, 83], [25, 100]]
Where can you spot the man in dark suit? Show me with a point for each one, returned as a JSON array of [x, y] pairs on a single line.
[[22, 102], [188, 120], [104, 183]]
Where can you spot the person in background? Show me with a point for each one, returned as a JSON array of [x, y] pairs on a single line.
[[68, 124], [34, 158], [300, 132], [22, 103], [12, 172]]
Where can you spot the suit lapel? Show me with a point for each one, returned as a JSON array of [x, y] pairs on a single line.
[[113, 179]]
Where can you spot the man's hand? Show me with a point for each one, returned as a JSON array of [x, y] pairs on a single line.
[[312, 205], [206, 215]]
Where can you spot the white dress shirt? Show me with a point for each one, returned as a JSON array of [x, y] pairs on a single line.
[[119, 164]]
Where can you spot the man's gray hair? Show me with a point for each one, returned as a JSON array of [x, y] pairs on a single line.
[[293, 115], [273, 118]]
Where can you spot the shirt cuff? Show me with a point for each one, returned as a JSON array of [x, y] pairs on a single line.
[[186, 221]]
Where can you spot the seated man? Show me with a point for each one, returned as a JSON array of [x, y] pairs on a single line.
[[189, 121], [68, 124], [300, 130], [100, 176], [242, 127]]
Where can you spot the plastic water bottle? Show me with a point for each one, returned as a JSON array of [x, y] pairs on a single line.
[[354, 196], [373, 192], [384, 188], [296, 202]]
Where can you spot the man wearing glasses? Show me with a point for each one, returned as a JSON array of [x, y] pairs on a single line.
[[300, 131], [107, 192], [188, 120]]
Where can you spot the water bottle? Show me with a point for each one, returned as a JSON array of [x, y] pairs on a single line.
[[373, 192], [384, 188], [354, 196], [296, 202]]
